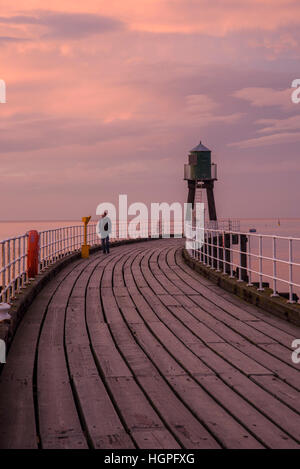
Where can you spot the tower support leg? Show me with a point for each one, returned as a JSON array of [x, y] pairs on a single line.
[[211, 200]]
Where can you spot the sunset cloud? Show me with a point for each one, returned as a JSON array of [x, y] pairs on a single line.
[[279, 125], [66, 25], [274, 139], [263, 97], [114, 95]]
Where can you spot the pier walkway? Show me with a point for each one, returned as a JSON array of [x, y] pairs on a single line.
[[136, 350]]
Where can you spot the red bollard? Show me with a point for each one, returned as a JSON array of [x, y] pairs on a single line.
[[33, 253]]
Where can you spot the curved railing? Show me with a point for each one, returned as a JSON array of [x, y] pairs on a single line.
[[255, 258], [55, 244], [13, 265]]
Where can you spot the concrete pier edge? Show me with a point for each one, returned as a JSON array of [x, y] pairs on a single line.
[[274, 305]]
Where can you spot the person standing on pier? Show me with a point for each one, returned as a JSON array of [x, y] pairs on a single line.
[[105, 230]]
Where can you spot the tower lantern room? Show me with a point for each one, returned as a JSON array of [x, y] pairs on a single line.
[[200, 167], [201, 173]]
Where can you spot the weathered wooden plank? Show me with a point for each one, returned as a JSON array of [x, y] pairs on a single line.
[[124, 302], [265, 316], [154, 385], [215, 306], [280, 390], [178, 350], [103, 426], [134, 406], [267, 432], [158, 439], [276, 411], [219, 328], [170, 273], [204, 333], [220, 423], [163, 360], [187, 429], [107, 355], [148, 379], [277, 335], [136, 359], [17, 418], [101, 422], [110, 307], [168, 300], [93, 307], [282, 353], [58, 420], [212, 359], [17, 413], [246, 331], [278, 367], [240, 360], [143, 307]]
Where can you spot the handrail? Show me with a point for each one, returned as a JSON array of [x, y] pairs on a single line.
[[208, 246], [13, 253], [54, 244]]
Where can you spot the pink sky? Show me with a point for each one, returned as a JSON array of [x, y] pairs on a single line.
[[108, 97]]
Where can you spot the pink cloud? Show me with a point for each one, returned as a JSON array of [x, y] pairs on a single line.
[[113, 95], [274, 139], [262, 97]]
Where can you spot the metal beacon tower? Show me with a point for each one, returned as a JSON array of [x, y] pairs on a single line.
[[201, 173]]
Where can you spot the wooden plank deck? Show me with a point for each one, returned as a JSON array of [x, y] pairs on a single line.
[[136, 350]]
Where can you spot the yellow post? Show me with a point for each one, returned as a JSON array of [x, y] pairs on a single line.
[[85, 248]]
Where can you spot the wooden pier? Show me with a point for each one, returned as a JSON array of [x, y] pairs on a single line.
[[136, 350]]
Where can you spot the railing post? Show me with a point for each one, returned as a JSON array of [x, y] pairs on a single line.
[[224, 254], [193, 243], [13, 269], [19, 265], [249, 284], [49, 247], [274, 268], [218, 251], [260, 288], [59, 243], [24, 276], [211, 249], [243, 258], [202, 249], [231, 255], [291, 271], [64, 241], [8, 271], [3, 271], [56, 244], [240, 258], [205, 248]]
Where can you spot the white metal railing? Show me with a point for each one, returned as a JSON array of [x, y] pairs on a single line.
[[53, 245], [57, 243], [228, 224], [13, 253], [250, 257]]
